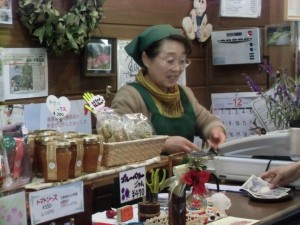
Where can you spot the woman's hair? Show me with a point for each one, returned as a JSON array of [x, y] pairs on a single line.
[[154, 49]]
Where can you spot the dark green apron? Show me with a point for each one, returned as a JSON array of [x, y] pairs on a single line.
[[183, 126]]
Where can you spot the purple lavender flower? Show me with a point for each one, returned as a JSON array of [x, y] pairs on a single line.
[[252, 85], [283, 103]]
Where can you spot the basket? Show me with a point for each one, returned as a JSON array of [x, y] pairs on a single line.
[[127, 152]]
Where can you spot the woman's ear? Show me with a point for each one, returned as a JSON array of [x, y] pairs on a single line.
[[145, 59]]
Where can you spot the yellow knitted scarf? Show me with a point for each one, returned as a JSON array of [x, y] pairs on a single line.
[[169, 103]]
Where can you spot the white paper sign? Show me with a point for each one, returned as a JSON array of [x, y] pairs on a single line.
[[52, 203], [13, 209], [59, 107], [38, 117], [240, 8], [132, 184]]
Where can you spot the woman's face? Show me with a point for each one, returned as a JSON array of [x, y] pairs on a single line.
[[165, 69]]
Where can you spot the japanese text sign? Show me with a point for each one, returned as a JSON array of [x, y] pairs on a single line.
[[52, 203], [132, 184], [60, 107]]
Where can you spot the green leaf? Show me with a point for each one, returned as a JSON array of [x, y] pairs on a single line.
[[39, 32], [60, 33]]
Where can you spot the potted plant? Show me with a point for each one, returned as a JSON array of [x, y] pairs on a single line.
[[283, 99], [151, 208]]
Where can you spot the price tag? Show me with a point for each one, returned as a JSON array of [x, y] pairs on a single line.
[[132, 184], [59, 107], [52, 203]]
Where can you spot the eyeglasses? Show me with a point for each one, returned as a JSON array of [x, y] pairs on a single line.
[[171, 62]]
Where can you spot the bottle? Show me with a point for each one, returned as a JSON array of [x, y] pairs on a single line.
[[56, 159], [91, 156]]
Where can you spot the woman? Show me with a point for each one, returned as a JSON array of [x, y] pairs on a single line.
[[161, 52]]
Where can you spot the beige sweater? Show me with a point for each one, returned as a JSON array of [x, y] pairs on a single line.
[[128, 100]]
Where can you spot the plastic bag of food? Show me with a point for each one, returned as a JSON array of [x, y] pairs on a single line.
[[110, 126], [16, 163], [115, 128], [137, 126]]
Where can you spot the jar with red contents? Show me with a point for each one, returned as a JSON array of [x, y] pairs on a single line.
[[40, 137], [77, 151], [56, 159], [92, 154]]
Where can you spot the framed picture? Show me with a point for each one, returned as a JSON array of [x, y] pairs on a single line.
[[6, 17], [23, 73], [100, 57], [291, 10], [278, 34]]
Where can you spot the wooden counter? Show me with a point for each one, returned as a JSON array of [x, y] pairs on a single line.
[[269, 213]]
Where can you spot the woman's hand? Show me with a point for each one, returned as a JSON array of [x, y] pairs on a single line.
[[175, 144], [282, 175], [217, 137]]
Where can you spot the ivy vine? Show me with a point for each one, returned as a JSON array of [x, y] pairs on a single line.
[[61, 33]]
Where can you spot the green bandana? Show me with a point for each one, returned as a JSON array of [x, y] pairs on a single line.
[[152, 34]]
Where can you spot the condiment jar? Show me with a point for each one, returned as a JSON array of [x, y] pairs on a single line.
[[40, 144], [56, 160], [77, 151], [92, 154], [39, 136]]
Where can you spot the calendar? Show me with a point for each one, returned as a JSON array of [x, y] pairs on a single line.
[[235, 111]]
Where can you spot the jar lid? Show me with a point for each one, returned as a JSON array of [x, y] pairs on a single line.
[[46, 132], [46, 139], [73, 140], [90, 138], [61, 143], [70, 134]]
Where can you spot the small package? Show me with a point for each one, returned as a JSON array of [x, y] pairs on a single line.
[[15, 159], [124, 213]]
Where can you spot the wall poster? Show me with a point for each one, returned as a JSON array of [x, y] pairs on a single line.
[[23, 73]]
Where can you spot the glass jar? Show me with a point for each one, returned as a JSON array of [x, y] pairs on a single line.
[[40, 143], [39, 136], [56, 159], [92, 157], [76, 149]]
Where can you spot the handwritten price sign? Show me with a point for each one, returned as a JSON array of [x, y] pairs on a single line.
[[59, 107], [132, 184]]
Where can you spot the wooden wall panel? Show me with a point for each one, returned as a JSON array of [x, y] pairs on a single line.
[[196, 73], [201, 94], [145, 13]]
